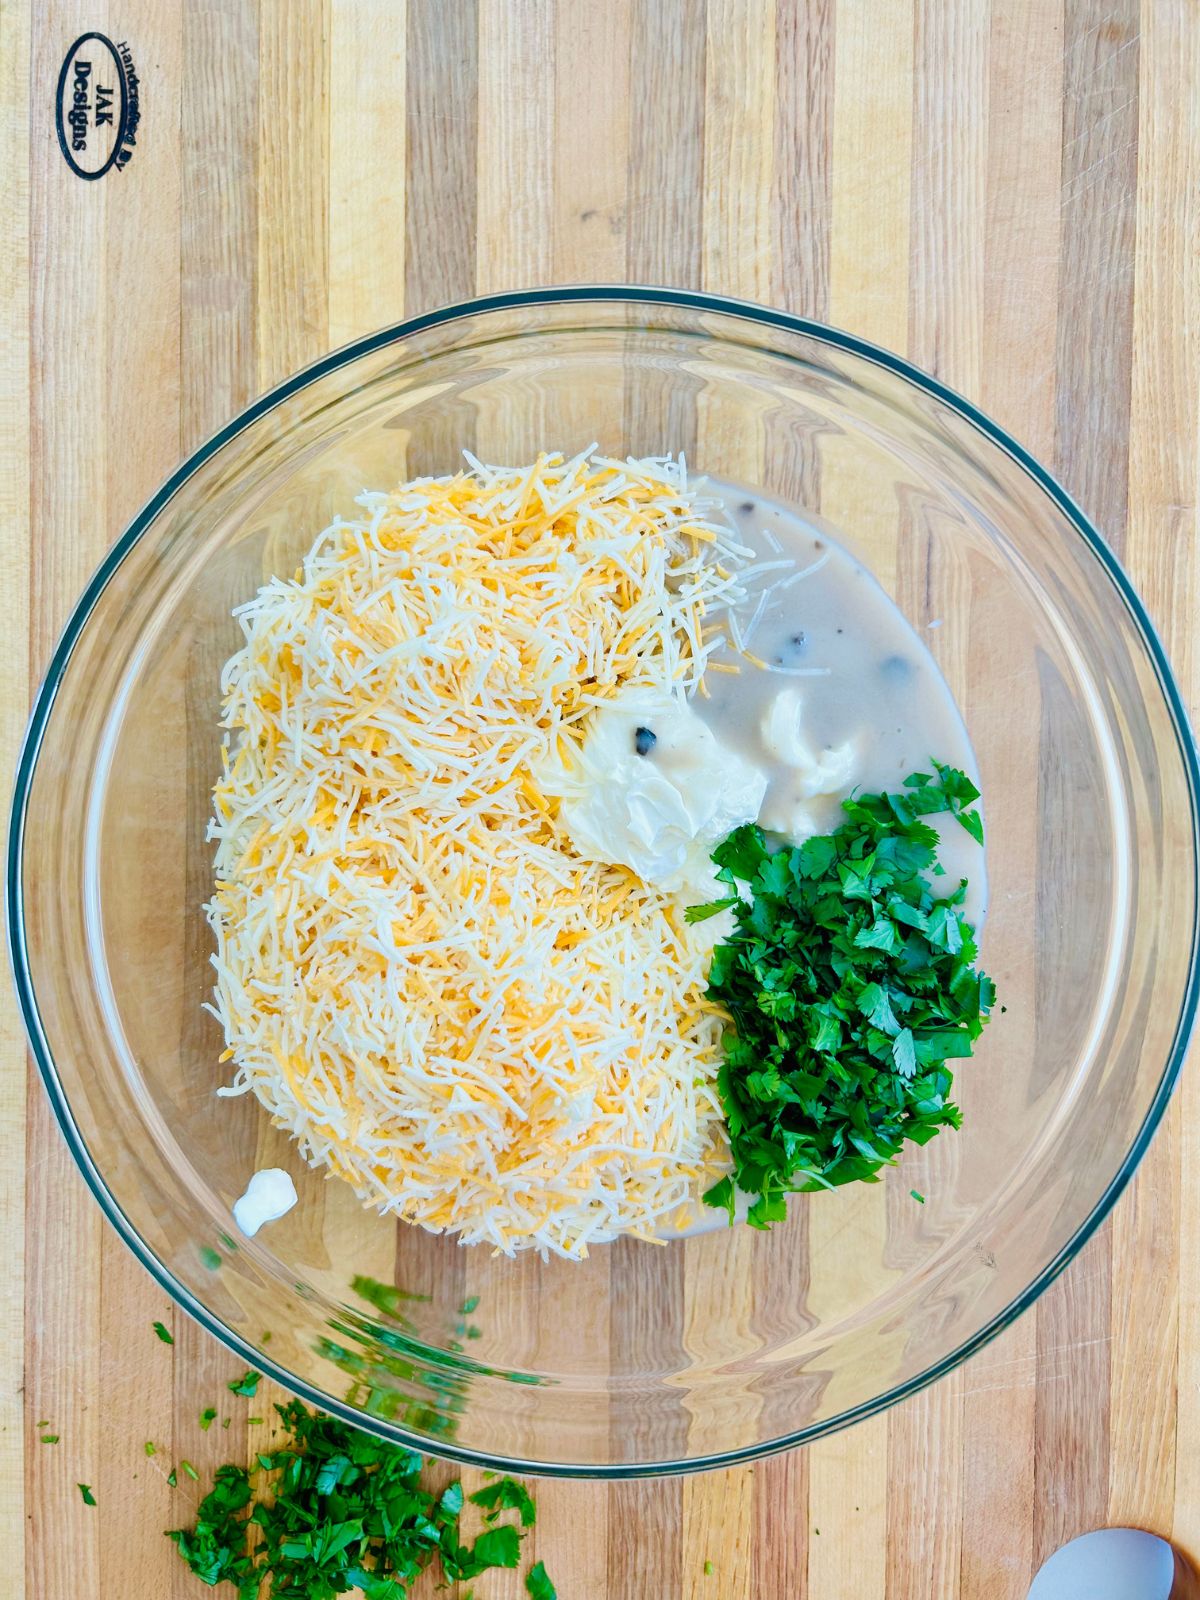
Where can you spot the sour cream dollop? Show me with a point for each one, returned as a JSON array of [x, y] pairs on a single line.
[[655, 790], [269, 1195], [808, 773]]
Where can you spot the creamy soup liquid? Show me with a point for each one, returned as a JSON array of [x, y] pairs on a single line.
[[829, 632], [863, 675]]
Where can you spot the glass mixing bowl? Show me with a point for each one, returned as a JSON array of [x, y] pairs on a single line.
[[645, 1358]]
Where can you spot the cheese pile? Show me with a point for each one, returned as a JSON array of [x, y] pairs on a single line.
[[416, 973]]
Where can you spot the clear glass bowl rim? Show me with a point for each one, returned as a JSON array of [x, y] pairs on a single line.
[[584, 294]]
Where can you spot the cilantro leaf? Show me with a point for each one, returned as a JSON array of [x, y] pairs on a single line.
[[164, 1333], [904, 1054], [714, 908], [849, 983], [538, 1585], [85, 1489], [498, 1547], [246, 1385], [506, 1494], [741, 854]]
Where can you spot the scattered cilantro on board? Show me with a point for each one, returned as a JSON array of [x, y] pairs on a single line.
[[334, 1509], [850, 984], [538, 1585]]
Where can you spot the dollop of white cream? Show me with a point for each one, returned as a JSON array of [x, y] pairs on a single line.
[[269, 1195], [811, 773], [663, 812]]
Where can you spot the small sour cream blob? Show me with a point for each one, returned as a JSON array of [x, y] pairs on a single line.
[[809, 772], [269, 1195], [654, 789]]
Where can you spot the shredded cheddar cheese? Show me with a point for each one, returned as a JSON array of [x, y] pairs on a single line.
[[416, 974]]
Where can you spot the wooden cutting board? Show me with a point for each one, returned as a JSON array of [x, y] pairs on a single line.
[[1006, 192]]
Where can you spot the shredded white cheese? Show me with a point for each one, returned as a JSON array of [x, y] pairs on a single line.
[[416, 973]]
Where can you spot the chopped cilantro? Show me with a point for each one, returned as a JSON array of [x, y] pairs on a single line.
[[150, 1448], [85, 1489], [247, 1385], [209, 1257], [708, 1569], [171, 1478], [190, 1470], [850, 984], [164, 1333], [50, 1438], [340, 1511], [207, 1417], [917, 1196], [385, 1297], [254, 1422], [537, 1582], [497, 1547], [506, 1494]]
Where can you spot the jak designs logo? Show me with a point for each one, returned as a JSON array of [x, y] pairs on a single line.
[[96, 107]]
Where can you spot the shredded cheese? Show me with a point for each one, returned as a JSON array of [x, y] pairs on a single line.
[[416, 974]]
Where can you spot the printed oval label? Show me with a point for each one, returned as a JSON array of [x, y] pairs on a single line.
[[96, 105]]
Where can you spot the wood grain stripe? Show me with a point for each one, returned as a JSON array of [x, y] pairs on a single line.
[[1092, 417], [872, 170], [779, 1545], [1017, 386], [516, 146], [801, 198], [739, 157], [590, 190], [1023, 220], [66, 309], [1153, 1477], [658, 1567], [293, 165], [219, 224], [1099, 186], [949, 172], [69, 480], [739, 147], [950, 125], [441, 158], [15, 1442], [872, 143], [666, 144], [142, 266], [442, 77], [367, 136]]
